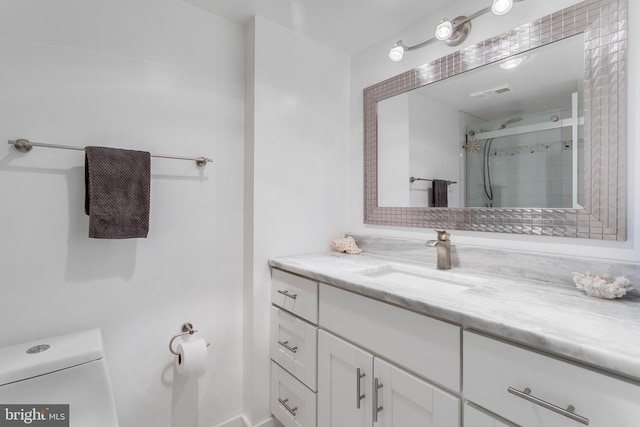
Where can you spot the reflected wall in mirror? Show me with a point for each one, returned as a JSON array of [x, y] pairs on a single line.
[[471, 142]]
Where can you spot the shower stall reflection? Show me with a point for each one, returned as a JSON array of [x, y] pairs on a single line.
[[523, 161]]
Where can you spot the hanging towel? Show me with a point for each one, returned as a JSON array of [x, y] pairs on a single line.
[[118, 192], [439, 192]]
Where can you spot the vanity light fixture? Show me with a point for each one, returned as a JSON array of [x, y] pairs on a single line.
[[397, 51], [501, 7], [511, 63], [452, 32], [444, 30]]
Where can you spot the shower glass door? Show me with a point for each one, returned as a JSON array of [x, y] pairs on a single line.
[[523, 161]]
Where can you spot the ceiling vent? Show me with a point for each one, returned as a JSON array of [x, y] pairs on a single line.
[[487, 93]]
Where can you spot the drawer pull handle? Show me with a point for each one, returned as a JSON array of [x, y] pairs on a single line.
[[292, 411], [285, 344], [376, 409], [359, 395], [526, 395], [287, 294]]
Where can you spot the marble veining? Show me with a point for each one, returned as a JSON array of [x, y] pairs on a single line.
[[555, 318], [554, 269]]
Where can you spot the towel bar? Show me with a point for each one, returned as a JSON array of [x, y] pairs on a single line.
[[413, 179], [24, 146]]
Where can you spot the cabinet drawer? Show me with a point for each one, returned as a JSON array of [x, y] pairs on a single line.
[[295, 294], [492, 368], [293, 404], [294, 345], [426, 346], [476, 418]]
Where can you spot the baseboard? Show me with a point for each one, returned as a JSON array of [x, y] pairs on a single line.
[[242, 421], [269, 422], [239, 421]]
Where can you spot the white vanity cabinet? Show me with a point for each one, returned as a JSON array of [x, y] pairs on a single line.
[[345, 378], [536, 390], [342, 359], [296, 294], [357, 389], [476, 418], [421, 344], [293, 349]]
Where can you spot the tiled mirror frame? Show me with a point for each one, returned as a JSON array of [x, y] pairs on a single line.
[[604, 24]]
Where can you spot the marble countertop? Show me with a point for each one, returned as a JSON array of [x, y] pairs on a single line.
[[554, 318]]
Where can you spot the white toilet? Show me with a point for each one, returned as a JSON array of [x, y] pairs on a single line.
[[69, 369]]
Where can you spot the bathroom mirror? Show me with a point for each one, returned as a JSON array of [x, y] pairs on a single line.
[[501, 135], [574, 138]]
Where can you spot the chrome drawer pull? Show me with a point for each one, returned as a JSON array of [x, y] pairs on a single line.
[[526, 395], [285, 345], [287, 294], [292, 411], [376, 409], [359, 396]]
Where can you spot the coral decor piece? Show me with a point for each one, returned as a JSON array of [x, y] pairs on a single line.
[[345, 244], [600, 286]]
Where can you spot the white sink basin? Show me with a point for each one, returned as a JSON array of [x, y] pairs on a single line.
[[418, 278]]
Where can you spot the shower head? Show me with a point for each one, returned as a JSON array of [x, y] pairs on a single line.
[[511, 120]]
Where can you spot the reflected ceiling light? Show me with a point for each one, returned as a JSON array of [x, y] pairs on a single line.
[[397, 51], [444, 30], [511, 63], [501, 7], [453, 32]]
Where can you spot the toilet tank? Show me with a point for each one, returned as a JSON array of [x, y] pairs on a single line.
[[68, 370]]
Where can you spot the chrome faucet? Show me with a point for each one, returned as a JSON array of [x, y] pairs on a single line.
[[443, 249]]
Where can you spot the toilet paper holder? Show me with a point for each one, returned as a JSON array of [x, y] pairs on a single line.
[[187, 329]]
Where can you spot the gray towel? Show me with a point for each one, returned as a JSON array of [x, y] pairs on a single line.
[[118, 192], [439, 193]]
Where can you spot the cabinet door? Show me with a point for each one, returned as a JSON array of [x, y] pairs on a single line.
[[535, 390], [474, 418], [403, 400], [426, 346], [339, 403], [293, 346], [293, 404]]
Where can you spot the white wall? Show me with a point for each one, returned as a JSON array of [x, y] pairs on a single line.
[[435, 149], [155, 75], [394, 151], [300, 146], [372, 65]]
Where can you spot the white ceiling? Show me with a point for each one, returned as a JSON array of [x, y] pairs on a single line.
[[348, 25]]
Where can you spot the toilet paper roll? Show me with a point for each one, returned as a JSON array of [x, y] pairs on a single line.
[[192, 357]]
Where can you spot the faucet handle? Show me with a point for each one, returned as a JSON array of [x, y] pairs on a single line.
[[442, 235]]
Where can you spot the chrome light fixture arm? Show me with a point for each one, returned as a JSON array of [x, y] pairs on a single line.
[[452, 32]]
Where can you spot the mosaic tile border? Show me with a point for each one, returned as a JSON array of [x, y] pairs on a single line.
[[605, 25]]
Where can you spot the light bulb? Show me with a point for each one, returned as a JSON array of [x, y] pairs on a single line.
[[500, 7], [444, 30], [511, 63], [397, 51]]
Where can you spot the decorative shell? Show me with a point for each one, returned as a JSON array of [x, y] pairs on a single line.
[[345, 244], [600, 286]]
